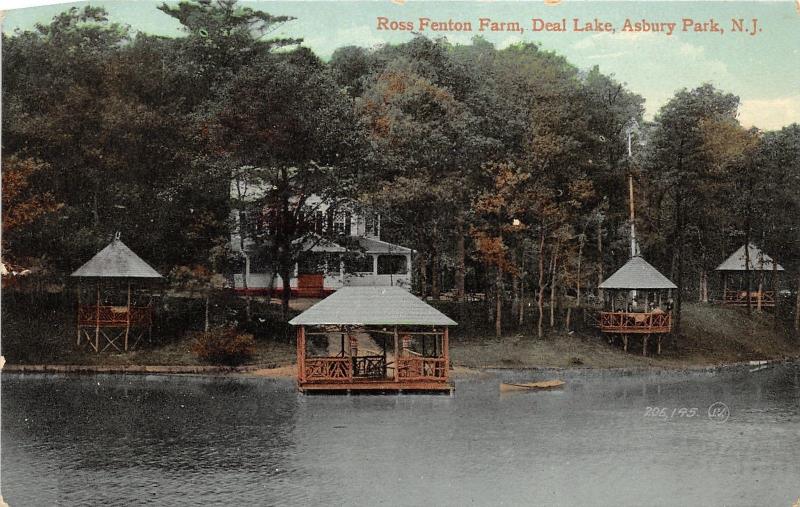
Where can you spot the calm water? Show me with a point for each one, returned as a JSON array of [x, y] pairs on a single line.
[[128, 440]]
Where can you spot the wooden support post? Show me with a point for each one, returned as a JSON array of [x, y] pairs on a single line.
[[760, 291], [658, 350], [625, 342], [350, 355], [97, 321], [446, 352], [644, 344], [128, 319], [301, 352], [396, 356]]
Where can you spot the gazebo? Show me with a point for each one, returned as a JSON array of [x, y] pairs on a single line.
[[634, 303], [120, 322], [372, 339], [735, 268]]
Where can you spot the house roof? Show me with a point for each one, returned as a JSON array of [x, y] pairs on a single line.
[[637, 273], [372, 306], [116, 261], [371, 245], [319, 244], [759, 261]]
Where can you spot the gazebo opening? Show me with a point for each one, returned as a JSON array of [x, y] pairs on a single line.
[[763, 272], [110, 314], [637, 300], [372, 339]]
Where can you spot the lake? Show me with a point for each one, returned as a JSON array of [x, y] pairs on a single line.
[[607, 438]]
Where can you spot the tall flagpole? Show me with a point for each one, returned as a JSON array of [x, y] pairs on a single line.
[[632, 125]]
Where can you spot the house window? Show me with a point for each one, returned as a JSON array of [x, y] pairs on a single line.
[[319, 222], [392, 265], [372, 224], [358, 263], [341, 224]]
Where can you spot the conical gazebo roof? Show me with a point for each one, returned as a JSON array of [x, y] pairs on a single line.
[[637, 273], [372, 306], [116, 261], [759, 261]]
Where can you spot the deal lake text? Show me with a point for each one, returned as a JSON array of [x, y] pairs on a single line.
[[574, 25]]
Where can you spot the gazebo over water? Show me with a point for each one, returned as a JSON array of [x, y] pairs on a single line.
[[734, 272], [635, 297], [120, 322], [417, 333]]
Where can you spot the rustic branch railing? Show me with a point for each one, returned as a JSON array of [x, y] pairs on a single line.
[[422, 368], [112, 316], [369, 366], [324, 369], [632, 322], [739, 297]]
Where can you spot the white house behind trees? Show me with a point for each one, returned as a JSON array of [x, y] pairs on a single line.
[[362, 258]]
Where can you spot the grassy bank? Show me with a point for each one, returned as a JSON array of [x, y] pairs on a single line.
[[40, 330], [711, 335]]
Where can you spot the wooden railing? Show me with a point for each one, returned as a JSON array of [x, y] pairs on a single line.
[[369, 366], [422, 368], [114, 316], [326, 369], [632, 322], [739, 298]]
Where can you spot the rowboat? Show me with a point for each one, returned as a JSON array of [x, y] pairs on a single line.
[[545, 384]]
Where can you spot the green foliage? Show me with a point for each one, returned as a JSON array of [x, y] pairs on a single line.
[[476, 158], [224, 346]]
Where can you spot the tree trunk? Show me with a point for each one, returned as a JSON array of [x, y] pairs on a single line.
[[540, 299], [521, 316], [680, 246], [286, 274], [498, 313], [797, 308], [581, 240], [422, 266], [460, 262], [207, 323], [95, 211], [515, 303], [703, 292], [553, 278], [599, 259], [435, 276]]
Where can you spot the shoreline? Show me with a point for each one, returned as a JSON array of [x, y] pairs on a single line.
[[289, 371]]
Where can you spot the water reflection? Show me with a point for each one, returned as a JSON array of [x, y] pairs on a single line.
[[605, 439]]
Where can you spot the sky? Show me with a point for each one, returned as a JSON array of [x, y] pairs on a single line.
[[761, 66]]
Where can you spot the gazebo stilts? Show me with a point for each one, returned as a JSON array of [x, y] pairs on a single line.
[[115, 323], [647, 319], [736, 269]]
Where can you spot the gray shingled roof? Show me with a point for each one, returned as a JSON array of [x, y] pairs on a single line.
[[759, 261], [637, 273], [116, 261], [372, 306], [381, 247]]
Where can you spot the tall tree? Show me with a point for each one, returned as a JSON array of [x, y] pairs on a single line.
[[683, 167], [285, 122]]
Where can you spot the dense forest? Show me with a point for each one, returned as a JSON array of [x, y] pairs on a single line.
[[506, 170]]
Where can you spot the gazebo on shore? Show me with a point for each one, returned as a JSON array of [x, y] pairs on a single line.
[[121, 323], [734, 270], [635, 297], [335, 340]]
